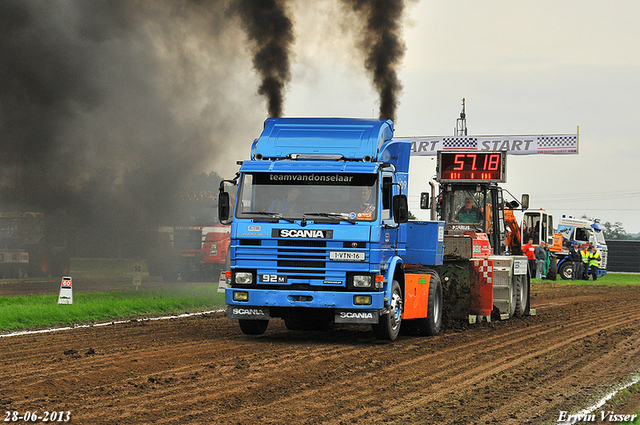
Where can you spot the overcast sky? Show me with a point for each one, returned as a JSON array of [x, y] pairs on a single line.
[[525, 68]]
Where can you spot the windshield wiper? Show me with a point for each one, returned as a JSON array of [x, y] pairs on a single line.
[[331, 215], [271, 214]]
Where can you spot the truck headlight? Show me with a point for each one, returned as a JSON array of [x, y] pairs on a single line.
[[214, 250], [362, 281], [243, 278]]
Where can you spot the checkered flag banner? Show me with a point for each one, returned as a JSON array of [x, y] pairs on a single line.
[[513, 145], [463, 143]]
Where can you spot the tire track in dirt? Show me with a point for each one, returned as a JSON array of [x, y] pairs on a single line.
[[203, 370]]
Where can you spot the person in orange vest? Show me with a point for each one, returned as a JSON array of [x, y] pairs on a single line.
[[584, 252], [530, 251], [594, 263]]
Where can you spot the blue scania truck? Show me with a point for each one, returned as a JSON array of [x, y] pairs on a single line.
[[320, 233]]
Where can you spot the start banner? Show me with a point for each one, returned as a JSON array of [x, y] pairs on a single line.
[[513, 145]]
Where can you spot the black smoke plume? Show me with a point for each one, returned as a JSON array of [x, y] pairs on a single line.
[[108, 107], [383, 47], [271, 32]]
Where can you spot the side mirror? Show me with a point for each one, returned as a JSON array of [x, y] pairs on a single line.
[[223, 207], [400, 209], [424, 201], [525, 201]]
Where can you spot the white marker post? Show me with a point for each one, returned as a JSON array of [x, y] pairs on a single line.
[[66, 291], [137, 274], [222, 281]]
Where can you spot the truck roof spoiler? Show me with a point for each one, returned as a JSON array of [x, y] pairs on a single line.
[[347, 139]]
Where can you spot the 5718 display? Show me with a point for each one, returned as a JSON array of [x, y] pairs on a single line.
[[472, 166]]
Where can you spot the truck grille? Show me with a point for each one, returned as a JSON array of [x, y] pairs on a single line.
[[299, 259]]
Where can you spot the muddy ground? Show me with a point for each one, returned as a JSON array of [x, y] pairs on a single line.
[[203, 370]]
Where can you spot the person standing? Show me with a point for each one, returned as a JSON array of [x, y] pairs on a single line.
[[584, 253], [576, 261], [594, 263], [529, 251], [540, 256]]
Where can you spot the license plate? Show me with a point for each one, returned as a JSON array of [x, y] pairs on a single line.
[[346, 256], [273, 278]]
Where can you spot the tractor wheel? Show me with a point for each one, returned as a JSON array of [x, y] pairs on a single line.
[[513, 296], [389, 326], [253, 327], [522, 295]]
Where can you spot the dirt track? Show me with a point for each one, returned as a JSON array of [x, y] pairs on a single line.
[[203, 370]]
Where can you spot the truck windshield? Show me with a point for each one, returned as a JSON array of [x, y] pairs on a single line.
[[316, 195], [599, 236], [464, 207]]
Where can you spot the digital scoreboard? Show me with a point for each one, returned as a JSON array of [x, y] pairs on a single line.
[[472, 167]]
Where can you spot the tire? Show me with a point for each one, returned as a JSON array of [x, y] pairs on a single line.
[[39, 261], [389, 326], [253, 327], [513, 295], [522, 295], [552, 273], [430, 326], [566, 270]]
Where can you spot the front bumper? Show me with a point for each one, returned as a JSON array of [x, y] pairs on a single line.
[[307, 299]]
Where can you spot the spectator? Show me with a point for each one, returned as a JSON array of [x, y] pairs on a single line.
[[541, 256], [576, 261], [594, 263], [529, 251], [585, 261]]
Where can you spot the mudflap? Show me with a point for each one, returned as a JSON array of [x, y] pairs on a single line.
[[248, 312]]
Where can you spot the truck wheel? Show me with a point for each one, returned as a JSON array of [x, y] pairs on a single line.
[[253, 327], [522, 295], [431, 325], [389, 326], [565, 270]]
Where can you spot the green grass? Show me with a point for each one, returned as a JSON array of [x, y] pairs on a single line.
[[37, 311], [611, 279], [104, 267]]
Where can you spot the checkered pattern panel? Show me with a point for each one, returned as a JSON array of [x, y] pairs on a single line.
[[558, 141], [484, 268], [460, 143]]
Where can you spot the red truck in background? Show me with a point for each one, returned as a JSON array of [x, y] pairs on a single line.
[[192, 244], [26, 250]]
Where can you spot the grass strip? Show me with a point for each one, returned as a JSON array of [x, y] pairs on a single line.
[[610, 279], [35, 311]]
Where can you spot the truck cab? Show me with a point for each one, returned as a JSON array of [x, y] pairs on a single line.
[[318, 232], [585, 231]]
